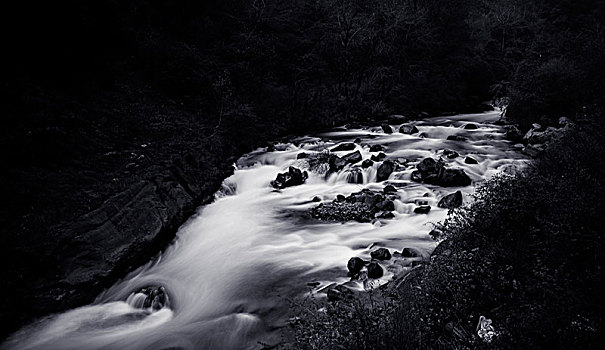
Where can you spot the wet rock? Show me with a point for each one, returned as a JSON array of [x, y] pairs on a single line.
[[302, 155], [435, 234], [423, 209], [374, 270], [355, 176], [378, 158], [340, 198], [434, 172], [156, 297], [376, 148], [416, 176], [293, 177], [386, 128], [423, 135], [453, 200], [450, 178], [408, 129], [347, 146], [357, 141], [367, 163], [456, 138], [355, 265], [352, 157], [450, 154], [316, 199], [389, 189], [336, 163], [381, 254], [428, 166], [409, 253], [471, 126], [384, 170], [469, 160]]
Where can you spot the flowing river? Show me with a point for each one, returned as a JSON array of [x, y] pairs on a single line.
[[233, 266]]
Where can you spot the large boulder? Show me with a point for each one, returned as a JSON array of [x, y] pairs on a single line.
[[469, 160], [367, 163], [384, 170], [362, 206], [408, 129], [387, 128], [352, 157], [471, 126], [374, 270], [409, 253], [355, 265], [435, 173], [293, 177], [453, 200], [347, 146], [154, 297], [381, 254]]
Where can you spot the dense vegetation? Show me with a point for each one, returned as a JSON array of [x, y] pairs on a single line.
[[86, 85]]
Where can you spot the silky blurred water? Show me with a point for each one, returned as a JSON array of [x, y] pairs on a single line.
[[233, 265]]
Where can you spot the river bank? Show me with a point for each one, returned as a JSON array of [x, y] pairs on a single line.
[[520, 267]]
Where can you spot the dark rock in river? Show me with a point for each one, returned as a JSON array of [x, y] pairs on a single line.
[[293, 177], [416, 176], [156, 297], [453, 200], [355, 265], [375, 270], [352, 157], [384, 170], [434, 172], [387, 128], [423, 209], [316, 199], [340, 198], [471, 126], [378, 158], [469, 160], [389, 189], [456, 138], [408, 129], [381, 254], [347, 146], [367, 163], [376, 148], [450, 154], [302, 155], [409, 253], [428, 166]]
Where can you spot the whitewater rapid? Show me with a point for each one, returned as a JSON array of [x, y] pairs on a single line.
[[234, 265]]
